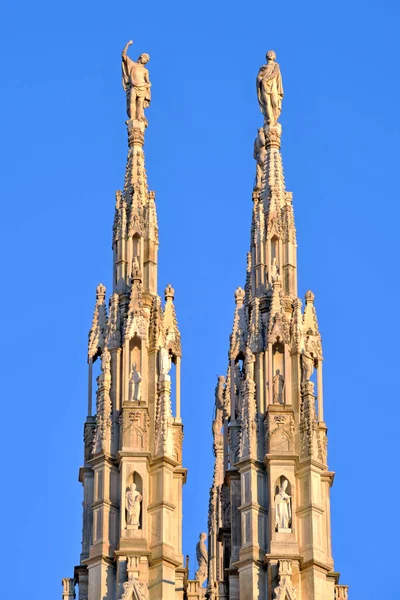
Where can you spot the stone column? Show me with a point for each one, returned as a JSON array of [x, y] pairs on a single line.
[[68, 584]]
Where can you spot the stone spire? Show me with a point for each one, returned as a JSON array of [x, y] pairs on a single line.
[[132, 475], [274, 536]]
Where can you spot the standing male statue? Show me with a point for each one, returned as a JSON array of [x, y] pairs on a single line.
[[202, 559], [270, 89], [135, 391], [133, 499], [136, 83], [283, 512], [278, 385], [307, 362], [259, 156]]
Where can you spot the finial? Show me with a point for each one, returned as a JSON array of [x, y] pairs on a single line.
[[100, 293], [239, 295], [309, 297], [136, 83], [169, 292], [270, 89]]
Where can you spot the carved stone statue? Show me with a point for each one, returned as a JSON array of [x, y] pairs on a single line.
[[136, 83], [274, 270], [249, 363], [283, 512], [219, 407], [105, 363], [259, 155], [278, 385], [270, 89], [133, 499], [135, 384], [135, 266], [165, 361], [202, 559], [307, 363]]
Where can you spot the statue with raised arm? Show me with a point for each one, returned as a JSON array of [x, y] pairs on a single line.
[[270, 89], [136, 83], [202, 559], [259, 156]]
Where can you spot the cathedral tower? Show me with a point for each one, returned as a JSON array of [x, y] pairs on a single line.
[[132, 475], [269, 511]]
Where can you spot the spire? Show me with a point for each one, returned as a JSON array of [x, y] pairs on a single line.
[[275, 438], [133, 445]]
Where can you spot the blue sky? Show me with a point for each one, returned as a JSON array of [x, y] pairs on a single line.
[[62, 157]]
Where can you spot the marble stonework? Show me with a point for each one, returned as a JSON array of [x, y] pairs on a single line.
[[269, 534]]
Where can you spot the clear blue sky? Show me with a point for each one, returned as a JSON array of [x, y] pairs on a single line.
[[63, 151]]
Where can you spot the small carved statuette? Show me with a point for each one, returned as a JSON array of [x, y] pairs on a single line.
[[135, 384], [270, 89], [165, 361], [202, 559], [278, 385], [283, 513], [136, 83], [307, 362], [259, 156], [133, 499], [274, 270]]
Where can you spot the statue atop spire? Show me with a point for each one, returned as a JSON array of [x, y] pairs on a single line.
[[136, 83], [270, 89]]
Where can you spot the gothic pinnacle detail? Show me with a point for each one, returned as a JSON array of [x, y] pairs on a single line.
[[269, 508], [132, 474]]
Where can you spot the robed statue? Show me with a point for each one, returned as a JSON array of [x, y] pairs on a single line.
[[283, 512], [259, 155], [270, 89], [136, 83], [202, 559], [133, 499]]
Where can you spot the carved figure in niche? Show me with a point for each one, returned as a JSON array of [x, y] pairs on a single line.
[[135, 384], [259, 155], [135, 266], [278, 385], [249, 363], [219, 406], [270, 89], [105, 362], [307, 362], [274, 270], [133, 499], [165, 361], [202, 559], [136, 83], [283, 512]]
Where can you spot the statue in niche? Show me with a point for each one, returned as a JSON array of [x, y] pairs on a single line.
[[274, 270], [165, 361], [133, 499], [202, 559], [135, 266], [278, 385], [135, 384], [249, 363], [270, 89], [307, 362], [283, 512], [136, 83], [259, 155]]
